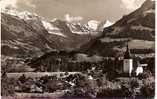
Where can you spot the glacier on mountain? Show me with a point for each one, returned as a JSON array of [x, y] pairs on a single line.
[[107, 24], [93, 24]]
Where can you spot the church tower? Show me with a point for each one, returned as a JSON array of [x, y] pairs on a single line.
[[127, 62]]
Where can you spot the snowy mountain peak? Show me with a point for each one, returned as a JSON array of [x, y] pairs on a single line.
[[22, 15], [48, 25], [27, 15], [54, 19], [93, 24], [52, 29], [107, 24]]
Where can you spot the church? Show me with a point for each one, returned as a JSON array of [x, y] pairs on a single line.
[[128, 64]]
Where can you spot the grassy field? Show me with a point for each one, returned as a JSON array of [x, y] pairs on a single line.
[[55, 95], [141, 44]]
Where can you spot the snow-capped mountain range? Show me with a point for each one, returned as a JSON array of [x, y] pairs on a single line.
[[74, 23], [28, 32]]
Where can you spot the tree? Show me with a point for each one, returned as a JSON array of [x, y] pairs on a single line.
[[148, 90], [22, 78]]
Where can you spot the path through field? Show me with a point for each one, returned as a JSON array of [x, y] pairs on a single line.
[[36, 74], [56, 94]]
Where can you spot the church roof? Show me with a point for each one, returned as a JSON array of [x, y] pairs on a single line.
[[127, 54]]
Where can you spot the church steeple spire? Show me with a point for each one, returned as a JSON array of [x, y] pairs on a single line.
[[127, 54]]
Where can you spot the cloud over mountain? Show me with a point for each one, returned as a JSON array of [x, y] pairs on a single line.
[[89, 9], [72, 18], [131, 4], [14, 3]]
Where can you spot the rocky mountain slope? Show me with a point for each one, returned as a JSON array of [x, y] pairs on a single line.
[[137, 29], [26, 34]]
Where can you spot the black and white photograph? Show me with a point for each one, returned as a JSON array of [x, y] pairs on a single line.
[[77, 49]]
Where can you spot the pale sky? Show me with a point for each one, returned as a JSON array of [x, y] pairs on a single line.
[[88, 9]]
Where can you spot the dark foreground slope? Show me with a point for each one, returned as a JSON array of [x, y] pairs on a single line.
[[137, 28]]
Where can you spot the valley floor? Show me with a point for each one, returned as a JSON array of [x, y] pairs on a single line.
[[27, 85]]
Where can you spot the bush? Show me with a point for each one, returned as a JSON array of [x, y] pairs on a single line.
[[103, 93], [22, 78], [134, 83], [7, 86], [145, 75], [148, 90]]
